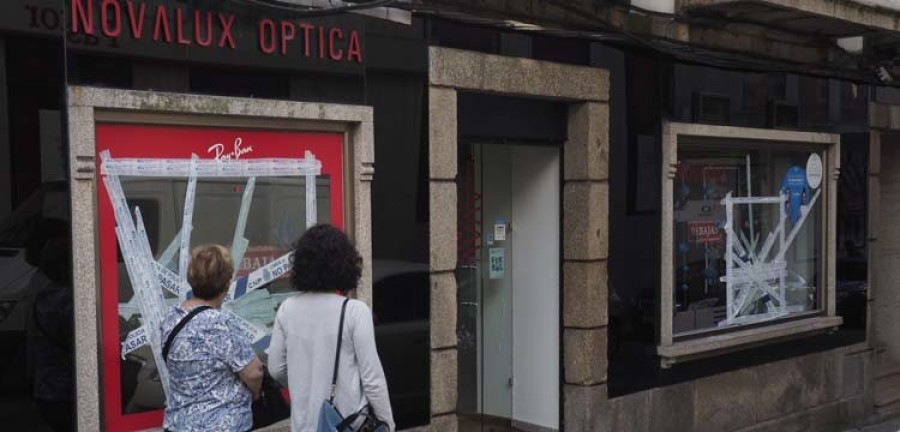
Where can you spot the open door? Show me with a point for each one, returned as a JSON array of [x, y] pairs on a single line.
[[508, 280]]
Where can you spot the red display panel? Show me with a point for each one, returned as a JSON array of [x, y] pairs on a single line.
[[124, 380]]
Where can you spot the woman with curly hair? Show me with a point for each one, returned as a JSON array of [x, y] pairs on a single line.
[[326, 267]]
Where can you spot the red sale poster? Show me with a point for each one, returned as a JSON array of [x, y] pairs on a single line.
[[704, 232]]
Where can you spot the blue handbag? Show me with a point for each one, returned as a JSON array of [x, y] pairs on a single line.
[[330, 419]]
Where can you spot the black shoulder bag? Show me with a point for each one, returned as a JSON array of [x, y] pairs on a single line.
[[269, 408]]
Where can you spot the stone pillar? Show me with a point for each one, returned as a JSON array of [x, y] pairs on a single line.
[[884, 244], [884, 296], [82, 171], [874, 222], [442, 168], [585, 253]]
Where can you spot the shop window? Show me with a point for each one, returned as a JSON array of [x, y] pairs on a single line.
[[748, 237], [256, 214]]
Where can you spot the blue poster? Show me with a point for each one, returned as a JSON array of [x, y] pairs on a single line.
[[796, 188]]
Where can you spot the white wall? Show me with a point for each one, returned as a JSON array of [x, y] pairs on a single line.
[[535, 274]]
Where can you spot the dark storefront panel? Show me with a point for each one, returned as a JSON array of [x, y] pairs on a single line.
[[396, 88], [36, 322], [501, 118], [401, 278], [658, 90], [702, 94], [852, 236]]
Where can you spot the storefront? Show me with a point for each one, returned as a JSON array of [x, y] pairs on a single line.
[[274, 112], [271, 186], [704, 263], [558, 233]]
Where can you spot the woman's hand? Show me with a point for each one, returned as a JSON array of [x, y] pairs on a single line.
[[252, 376]]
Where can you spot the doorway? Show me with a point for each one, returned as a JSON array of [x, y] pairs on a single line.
[[508, 278]]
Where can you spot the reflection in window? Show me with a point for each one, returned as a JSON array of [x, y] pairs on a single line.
[[401, 284], [747, 234]]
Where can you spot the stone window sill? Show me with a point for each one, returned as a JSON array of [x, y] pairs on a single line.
[[737, 340]]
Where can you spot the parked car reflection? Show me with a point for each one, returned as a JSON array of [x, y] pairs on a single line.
[[401, 304], [22, 235]]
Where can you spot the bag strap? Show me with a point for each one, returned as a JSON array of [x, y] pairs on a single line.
[[345, 423], [178, 328], [337, 354]]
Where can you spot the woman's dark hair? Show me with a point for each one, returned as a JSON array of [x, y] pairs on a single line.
[[325, 261], [210, 270]]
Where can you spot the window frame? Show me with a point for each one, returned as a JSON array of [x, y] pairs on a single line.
[[673, 350]]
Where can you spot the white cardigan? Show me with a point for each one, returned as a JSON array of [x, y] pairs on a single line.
[[304, 339]]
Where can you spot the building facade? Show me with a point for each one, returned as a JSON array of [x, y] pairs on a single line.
[[578, 216]]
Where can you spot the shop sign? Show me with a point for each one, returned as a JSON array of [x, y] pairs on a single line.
[[218, 150], [209, 31]]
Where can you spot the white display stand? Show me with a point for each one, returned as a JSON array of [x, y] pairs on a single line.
[[150, 278], [751, 275]]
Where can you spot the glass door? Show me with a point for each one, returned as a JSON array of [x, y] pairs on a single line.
[[485, 288]]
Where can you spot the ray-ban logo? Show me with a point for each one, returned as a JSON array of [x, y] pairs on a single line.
[[218, 149]]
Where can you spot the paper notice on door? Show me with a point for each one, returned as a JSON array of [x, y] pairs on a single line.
[[499, 231], [497, 258]]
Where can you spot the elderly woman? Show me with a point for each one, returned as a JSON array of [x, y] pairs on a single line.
[[214, 375], [326, 267]]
